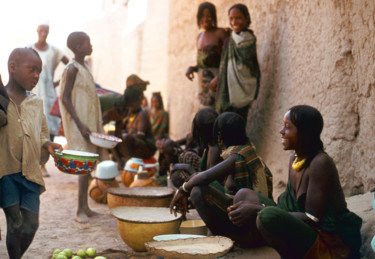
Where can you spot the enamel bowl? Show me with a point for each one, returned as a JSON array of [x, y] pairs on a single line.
[[103, 140], [106, 170], [75, 162]]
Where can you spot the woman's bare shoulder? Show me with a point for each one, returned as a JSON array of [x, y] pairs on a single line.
[[323, 164]]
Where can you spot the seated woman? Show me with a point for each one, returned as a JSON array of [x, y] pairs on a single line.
[[311, 219], [211, 191], [159, 117], [137, 139]]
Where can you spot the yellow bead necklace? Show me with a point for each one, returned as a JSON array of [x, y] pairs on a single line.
[[297, 165]]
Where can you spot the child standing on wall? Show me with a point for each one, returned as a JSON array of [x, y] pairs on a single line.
[[80, 112], [24, 140]]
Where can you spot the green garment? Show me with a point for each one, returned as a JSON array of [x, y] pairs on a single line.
[[343, 222], [210, 60], [110, 101], [160, 123], [239, 76]]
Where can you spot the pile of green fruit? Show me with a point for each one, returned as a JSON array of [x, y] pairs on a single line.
[[81, 254]]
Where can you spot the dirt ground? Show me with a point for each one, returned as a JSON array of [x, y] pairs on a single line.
[[57, 228]]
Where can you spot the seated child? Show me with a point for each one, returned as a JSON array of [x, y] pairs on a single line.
[[137, 138], [211, 192]]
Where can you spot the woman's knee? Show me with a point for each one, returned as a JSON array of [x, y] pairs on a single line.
[[245, 194], [196, 195], [273, 219]]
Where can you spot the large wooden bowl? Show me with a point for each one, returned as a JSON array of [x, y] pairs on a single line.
[[139, 196], [138, 225]]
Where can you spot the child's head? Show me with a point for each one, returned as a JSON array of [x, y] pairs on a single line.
[[206, 16], [79, 43], [230, 130], [203, 125], [239, 17], [157, 101], [133, 98], [43, 31], [24, 66], [136, 82]]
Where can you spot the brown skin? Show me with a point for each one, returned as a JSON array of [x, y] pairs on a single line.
[[22, 224], [222, 171], [207, 40], [132, 144], [82, 50], [319, 181]]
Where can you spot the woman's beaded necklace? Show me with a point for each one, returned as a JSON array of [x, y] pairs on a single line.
[[298, 164]]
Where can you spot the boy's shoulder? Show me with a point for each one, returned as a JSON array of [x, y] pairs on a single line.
[[33, 97]]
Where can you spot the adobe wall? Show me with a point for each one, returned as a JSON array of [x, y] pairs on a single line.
[[142, 51], [315, 52]]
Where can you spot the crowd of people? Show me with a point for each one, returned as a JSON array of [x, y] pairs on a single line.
[[215, 168]]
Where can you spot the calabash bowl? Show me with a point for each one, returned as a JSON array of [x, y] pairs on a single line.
[[138, 225]]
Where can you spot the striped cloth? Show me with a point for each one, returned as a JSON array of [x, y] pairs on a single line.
[[250, 172], [160, 124]]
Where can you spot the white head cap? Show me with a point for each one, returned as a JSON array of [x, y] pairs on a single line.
[[43, 22]]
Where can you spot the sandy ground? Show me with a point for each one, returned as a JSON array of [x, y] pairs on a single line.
[[58, 229]]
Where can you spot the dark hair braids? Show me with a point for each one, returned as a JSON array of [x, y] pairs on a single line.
[[232, 129], [203, 125], [309, 124], [243, 9], [211, 8], [157, 95]]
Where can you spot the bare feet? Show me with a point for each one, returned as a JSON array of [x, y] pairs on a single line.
[[84, 214], [81, 217], [44, 171]]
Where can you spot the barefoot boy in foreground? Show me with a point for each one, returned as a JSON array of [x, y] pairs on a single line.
[[80, 112], [23, 140]]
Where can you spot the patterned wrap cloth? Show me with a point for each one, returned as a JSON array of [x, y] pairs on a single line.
[[250, 172], [239, 75], [160, 123]]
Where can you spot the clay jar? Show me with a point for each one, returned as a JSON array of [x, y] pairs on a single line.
[[133, 165], [98, 189], [143, 179]]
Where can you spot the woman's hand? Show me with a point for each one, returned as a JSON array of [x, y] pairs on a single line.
[[179, 203], [242, 213], [190, 72]]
